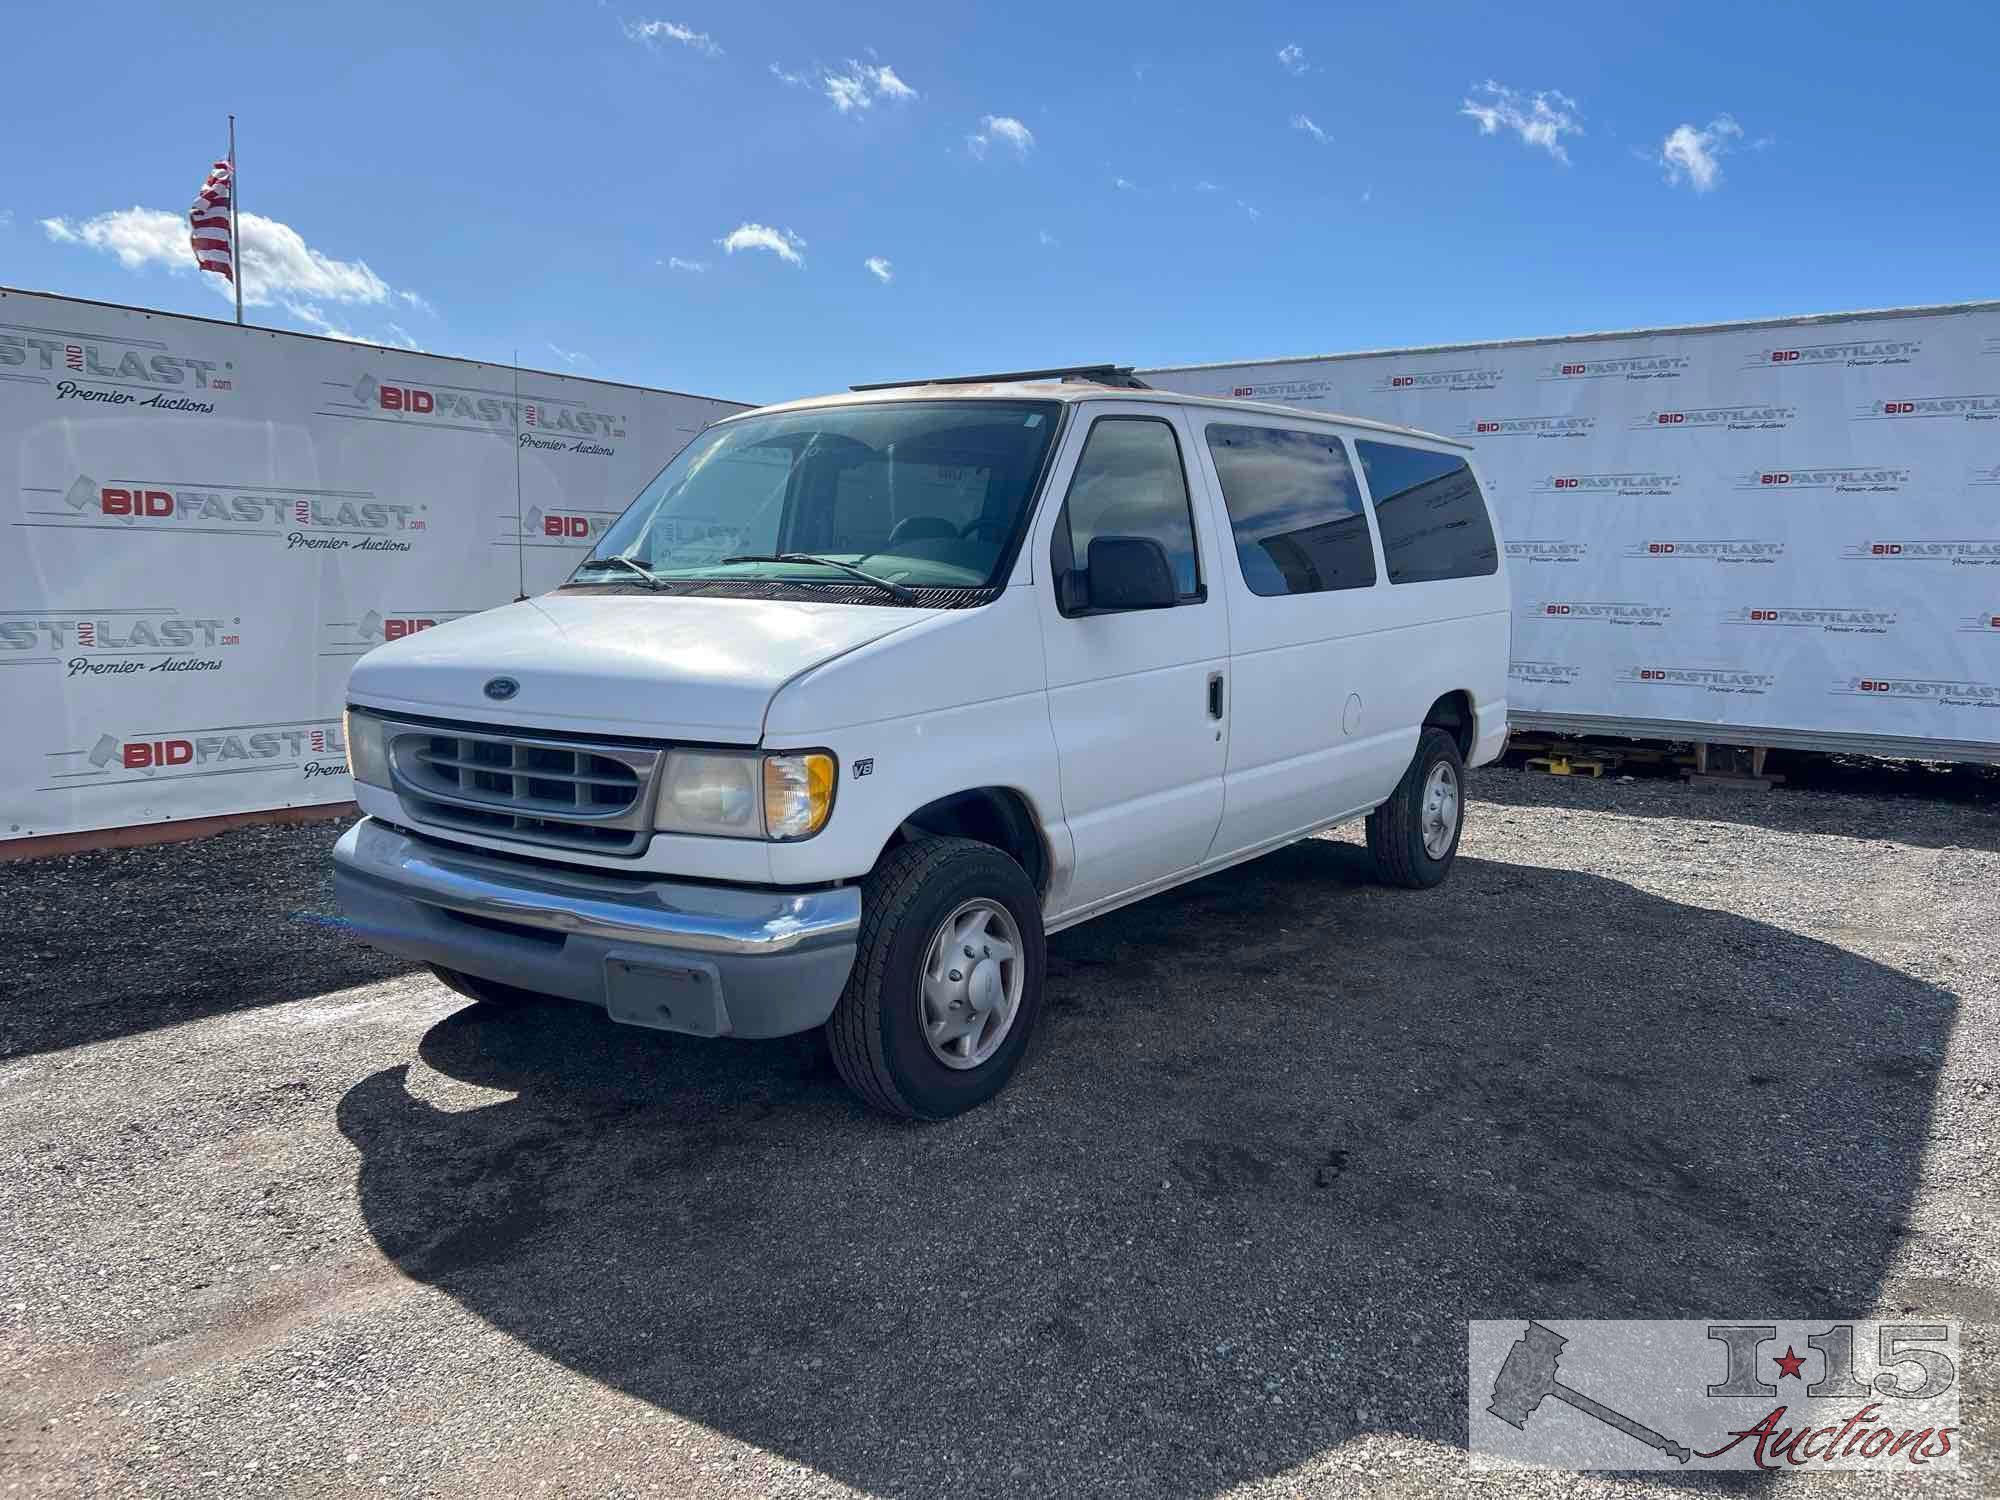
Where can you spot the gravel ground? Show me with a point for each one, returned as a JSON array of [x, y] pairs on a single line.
[[283, 1217]]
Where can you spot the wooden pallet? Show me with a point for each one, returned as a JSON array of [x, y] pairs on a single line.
[[1569, 765]]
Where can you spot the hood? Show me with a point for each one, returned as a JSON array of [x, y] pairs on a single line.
[[651, 665]]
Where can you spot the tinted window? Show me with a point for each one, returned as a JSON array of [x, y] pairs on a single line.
[[1432, 518], [1295, 509], [1129, 482]]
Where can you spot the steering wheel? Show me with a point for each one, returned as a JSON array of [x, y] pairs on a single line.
[[983, 524]]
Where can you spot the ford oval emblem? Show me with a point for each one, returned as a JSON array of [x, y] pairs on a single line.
[[500, 689]]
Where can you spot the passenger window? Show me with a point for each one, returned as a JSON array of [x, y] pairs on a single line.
[[1433, 520], [1295, 509], [1129, 482]]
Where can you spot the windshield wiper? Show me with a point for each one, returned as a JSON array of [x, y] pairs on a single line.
[[620, 560], [902, 593]]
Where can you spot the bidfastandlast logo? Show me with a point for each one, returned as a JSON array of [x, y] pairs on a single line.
[[1831, 621], [96, 370], [1950, 692], [305, 750], [1544, 673], [1715, 550], [1469, 379], [1729, 680], [1636, 483], [1986, 622], [353, 637], [1571, 612], [1964, 552], [118, 642], [549, 423], [1749, 418], [1531, 427], [1631, 367], [1855, 353], [1690, 1395], [1843, 479], [306, 520], [1548, 551], [1983, 407], [555, 528], [1284, 390]]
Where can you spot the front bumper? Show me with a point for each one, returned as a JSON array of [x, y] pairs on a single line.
[[708, 960]]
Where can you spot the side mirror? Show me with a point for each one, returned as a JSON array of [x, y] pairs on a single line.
[[1128, 572]]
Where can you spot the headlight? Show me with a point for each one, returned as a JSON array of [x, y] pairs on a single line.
[[367, 749], [743, 795], [798, 794]]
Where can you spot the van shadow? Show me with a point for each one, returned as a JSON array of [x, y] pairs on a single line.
[[1284, 1133]]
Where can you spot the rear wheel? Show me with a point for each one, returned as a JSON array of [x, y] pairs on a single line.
[[947, 979], [489, 992], [1414, 835]]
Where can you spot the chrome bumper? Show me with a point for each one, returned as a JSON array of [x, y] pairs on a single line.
[[739, 961]]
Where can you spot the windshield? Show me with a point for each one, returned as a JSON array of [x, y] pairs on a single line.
[[907, 494]]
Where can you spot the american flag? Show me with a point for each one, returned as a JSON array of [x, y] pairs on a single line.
[[208, 222]]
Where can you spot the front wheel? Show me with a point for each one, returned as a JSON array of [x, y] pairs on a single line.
[[1414, 835], [947, 979]]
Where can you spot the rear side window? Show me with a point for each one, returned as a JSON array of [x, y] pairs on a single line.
[[1295, 510], [1129, 483], [1432, 517]]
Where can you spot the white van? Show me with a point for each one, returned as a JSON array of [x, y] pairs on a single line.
[[866, 695]]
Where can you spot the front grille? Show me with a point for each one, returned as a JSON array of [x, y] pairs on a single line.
[[540, 791]]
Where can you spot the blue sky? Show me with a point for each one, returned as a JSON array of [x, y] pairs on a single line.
[[1042, 185]]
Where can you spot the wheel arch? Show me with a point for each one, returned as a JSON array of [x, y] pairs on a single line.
[[1453, 712], [998, 815]]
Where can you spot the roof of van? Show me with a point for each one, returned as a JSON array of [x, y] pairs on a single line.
[[1074, 391]]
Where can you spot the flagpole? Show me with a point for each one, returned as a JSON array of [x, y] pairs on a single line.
[[235, 238]]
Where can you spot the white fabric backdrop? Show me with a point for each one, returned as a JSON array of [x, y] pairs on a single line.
[[206, 525], [1792, 526]]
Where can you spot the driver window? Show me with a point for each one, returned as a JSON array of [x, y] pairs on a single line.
[[1129, 482]]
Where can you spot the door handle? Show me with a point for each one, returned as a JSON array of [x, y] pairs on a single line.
[[1215, 695]]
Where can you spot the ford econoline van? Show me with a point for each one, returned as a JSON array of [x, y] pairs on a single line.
[[865, 696]]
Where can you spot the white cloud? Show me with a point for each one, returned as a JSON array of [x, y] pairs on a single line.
[[278, 265], [880, 269], [1124, 186], [318, 322], [1205, 186], [675, 263], [780, 242], [1292, 58], [1304, 122], [1049, 239], [1540, 119], [654, 32], [569, 357], [420, 304], [1254, 213], [791, 80], [400, 335], [6, 218], [860, 86], [1694, 156], [1003, 128]]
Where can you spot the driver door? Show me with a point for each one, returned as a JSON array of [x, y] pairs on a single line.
[[1137, 698]]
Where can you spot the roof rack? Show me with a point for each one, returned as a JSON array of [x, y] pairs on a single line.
[[1119, 375]]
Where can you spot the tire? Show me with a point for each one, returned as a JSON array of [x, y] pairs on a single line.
[[488, 992], [878, 1032], [1396, 829]]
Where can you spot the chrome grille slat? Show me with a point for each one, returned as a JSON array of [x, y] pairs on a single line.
[[518, 785]]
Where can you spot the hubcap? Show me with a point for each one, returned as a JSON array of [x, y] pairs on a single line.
[[971, 986], [1440, 819]]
